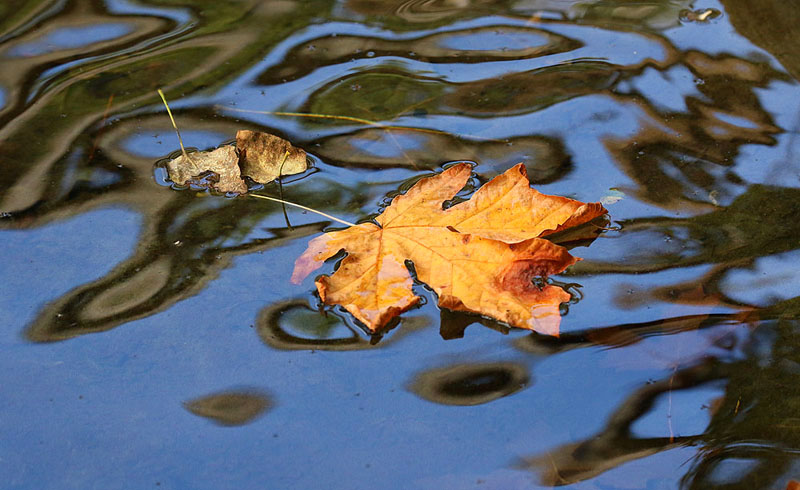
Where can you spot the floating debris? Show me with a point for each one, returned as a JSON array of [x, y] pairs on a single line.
[[261, 156], [264, 157], [217, 169]]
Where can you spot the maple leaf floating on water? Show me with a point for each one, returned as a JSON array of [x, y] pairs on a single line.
[[480, 256]]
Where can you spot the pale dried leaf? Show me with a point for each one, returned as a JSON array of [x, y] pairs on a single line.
[[223, 162], [262, 156]]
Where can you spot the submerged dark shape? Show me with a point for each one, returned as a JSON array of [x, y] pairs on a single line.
[[230, 408], [471, 384]]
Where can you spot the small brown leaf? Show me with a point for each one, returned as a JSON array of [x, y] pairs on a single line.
[[223, 162], [262, 156]]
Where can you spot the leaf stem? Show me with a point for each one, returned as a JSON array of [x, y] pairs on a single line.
[[177, 131], [280, 189], [359, 120], [304, 208]]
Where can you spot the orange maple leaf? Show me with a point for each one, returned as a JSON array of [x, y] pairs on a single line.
[[480, 256]]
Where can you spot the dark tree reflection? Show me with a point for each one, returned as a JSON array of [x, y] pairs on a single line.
[[753, 425]]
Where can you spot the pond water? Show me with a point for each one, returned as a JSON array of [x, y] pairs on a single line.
[[151, 337]]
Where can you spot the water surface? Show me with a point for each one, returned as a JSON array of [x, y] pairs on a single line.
[[151, 337]]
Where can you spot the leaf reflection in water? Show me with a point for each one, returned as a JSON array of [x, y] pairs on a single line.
[[294, 325]]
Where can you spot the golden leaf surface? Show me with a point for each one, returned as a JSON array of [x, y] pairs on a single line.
[[480, 256]]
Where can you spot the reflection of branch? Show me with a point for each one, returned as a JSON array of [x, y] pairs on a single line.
[[358, 120], [706, 290], [755, 421], [629, 333], [616, 445], [771, 26], [766, 464], [739, 232], [679, 158], [162, 272]]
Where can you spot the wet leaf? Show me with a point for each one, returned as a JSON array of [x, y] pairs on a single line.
[[480, 256], [260, 156], [264, 156], [223, 162]]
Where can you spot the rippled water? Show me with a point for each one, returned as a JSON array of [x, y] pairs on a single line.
[[151, 337]]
